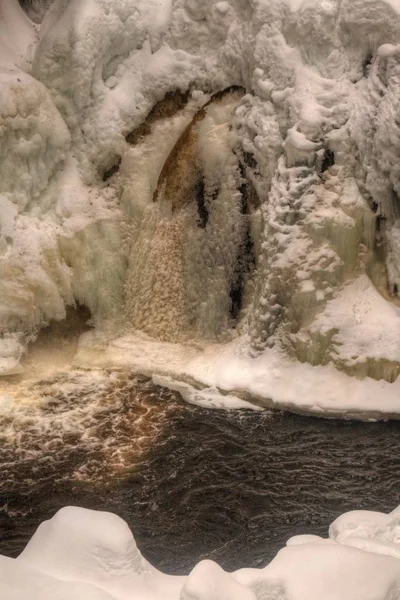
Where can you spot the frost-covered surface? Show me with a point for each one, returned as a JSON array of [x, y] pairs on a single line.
[[200, 171], [89, 555]]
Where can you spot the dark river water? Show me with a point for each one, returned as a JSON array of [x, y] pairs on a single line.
[[191, 483]]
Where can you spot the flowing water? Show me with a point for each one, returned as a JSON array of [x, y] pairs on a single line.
[[191, 482]]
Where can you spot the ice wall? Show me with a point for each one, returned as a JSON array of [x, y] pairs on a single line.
[[130, 182]]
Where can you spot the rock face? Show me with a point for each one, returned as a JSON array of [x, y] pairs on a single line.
[[202, 170]]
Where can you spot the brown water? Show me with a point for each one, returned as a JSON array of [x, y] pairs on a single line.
[[191, 482]]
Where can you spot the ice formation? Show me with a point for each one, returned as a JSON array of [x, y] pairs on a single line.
[[89, 555], [221, 175]]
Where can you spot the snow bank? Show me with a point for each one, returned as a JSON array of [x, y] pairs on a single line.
[[225, 376], [89, 555]]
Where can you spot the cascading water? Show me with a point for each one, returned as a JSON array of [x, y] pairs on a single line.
[[185, 244]]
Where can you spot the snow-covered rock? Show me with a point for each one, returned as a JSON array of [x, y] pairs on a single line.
[[96, 548], [87, 555]]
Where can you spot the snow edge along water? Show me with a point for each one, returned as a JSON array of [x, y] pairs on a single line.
[[224, 376]]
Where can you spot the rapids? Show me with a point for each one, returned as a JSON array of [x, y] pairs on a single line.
[[191, 482]]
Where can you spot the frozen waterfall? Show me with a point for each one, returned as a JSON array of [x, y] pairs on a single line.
[[217, 182]]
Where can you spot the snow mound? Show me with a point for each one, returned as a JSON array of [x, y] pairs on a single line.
[[81, 554]]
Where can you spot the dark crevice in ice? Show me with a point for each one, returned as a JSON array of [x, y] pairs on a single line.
[[233, 89], [112, 170], [367, 64], [246, 258], [201, 204], [395, 205], [249, 160], [236, 296], [169, 106], [328, 161]]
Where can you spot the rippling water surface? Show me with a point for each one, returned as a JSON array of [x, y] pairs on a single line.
[[191, 482]]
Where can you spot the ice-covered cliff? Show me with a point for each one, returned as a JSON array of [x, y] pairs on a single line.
[[208, 176]]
